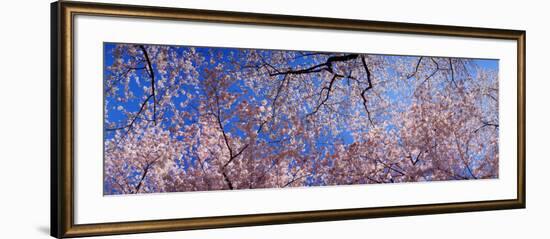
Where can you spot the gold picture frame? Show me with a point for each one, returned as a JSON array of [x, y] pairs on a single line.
[[62, 123]]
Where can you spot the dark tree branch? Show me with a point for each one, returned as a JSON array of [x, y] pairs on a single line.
[[486, 124], [491, 96], [391, 168], [326, 66], [435, 71], [328, 89], [313, 69], [227, 181], [415, 160], [461, 154], [416, 68], [236, 155], [363, 93], [452, 72], [432, 74], [274, 104], [310, 54], [232, 154], [144, 174], [152, 75], [131, 124], [225, 176], [294, 179], [138, 187]]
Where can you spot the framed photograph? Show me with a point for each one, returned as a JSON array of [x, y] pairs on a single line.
[[170, 119]]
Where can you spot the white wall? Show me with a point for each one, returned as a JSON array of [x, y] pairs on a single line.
[[24, 117]]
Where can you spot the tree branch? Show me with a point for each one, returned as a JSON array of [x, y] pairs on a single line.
[[232, 154], [131, 124], [326, 66], [461, 154], [452, 72], [328, 89], [486, 124], [363, 93], [152, 75], [416, 68], [144, 174]]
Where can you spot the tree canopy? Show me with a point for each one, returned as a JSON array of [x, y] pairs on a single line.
[[181, 118]]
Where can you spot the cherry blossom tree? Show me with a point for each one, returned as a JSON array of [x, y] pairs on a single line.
[[200, 118]]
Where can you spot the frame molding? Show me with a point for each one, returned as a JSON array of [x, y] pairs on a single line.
[[62, 118]]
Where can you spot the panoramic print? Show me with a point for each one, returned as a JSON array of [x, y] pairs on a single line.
[[188, 118]]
